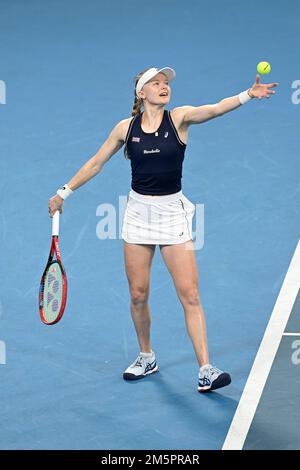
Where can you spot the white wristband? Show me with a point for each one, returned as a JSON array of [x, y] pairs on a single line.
[[64, 192], [244, 97]]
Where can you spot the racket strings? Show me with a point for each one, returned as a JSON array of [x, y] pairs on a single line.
[[53, 292]]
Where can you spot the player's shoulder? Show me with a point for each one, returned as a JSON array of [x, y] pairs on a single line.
[[121, 128], [125, 122], [181, 109], [178, 114]]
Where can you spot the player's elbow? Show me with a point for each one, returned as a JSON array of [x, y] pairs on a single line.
[[96, 164]]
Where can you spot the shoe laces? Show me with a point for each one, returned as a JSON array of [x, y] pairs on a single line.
[[210, 371], [139, 361], [214, 371]]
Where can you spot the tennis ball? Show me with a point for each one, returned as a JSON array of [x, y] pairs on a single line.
[[263, 67]]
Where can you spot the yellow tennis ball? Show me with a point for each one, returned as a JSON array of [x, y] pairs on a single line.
[[263, 67]]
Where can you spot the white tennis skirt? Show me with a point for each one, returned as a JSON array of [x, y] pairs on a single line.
[[158, 220]]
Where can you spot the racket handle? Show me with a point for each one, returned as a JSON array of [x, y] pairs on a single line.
[[55, 224]]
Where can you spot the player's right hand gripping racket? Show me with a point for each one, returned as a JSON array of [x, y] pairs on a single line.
[[53, 287]]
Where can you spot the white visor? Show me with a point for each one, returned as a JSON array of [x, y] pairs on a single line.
[[170, 73]]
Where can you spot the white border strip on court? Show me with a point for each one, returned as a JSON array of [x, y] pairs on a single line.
[[291, 334], [246, 409]]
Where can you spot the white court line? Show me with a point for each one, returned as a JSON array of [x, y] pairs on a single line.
[[291, 334], [265, 356]]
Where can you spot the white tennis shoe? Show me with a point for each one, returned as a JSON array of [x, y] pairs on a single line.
[[144, 364], [211, 378]]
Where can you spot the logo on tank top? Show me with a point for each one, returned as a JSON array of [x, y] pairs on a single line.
[[136, 139], [165, 135], [152, 151]]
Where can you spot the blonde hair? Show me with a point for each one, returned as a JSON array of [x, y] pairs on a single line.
[[137, 104]]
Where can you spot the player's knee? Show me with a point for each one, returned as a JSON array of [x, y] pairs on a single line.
[[139, 295], [190, 296]]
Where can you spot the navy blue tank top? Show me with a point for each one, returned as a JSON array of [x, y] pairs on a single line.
[[156, 157]]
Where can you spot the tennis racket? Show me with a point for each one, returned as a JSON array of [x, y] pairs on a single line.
[[53, 287]]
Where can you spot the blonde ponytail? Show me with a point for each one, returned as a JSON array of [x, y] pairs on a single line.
[[137, 104]]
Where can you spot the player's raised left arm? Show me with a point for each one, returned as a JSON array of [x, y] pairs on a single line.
[[199, 114]]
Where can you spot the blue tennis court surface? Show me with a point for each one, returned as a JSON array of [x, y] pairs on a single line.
[[276, 423], [266, 416], [67, 69]]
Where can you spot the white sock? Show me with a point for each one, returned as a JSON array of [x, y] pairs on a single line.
[[150, 354], [204, 367]]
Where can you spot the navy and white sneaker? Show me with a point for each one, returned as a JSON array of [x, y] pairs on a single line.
[[144, 364], [211, 378]]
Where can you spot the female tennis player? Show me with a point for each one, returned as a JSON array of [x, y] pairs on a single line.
[[157, 212]]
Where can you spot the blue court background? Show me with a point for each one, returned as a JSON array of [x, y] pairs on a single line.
[[68, 68]]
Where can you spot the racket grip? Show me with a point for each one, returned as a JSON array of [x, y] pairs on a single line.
[[55, 224]]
